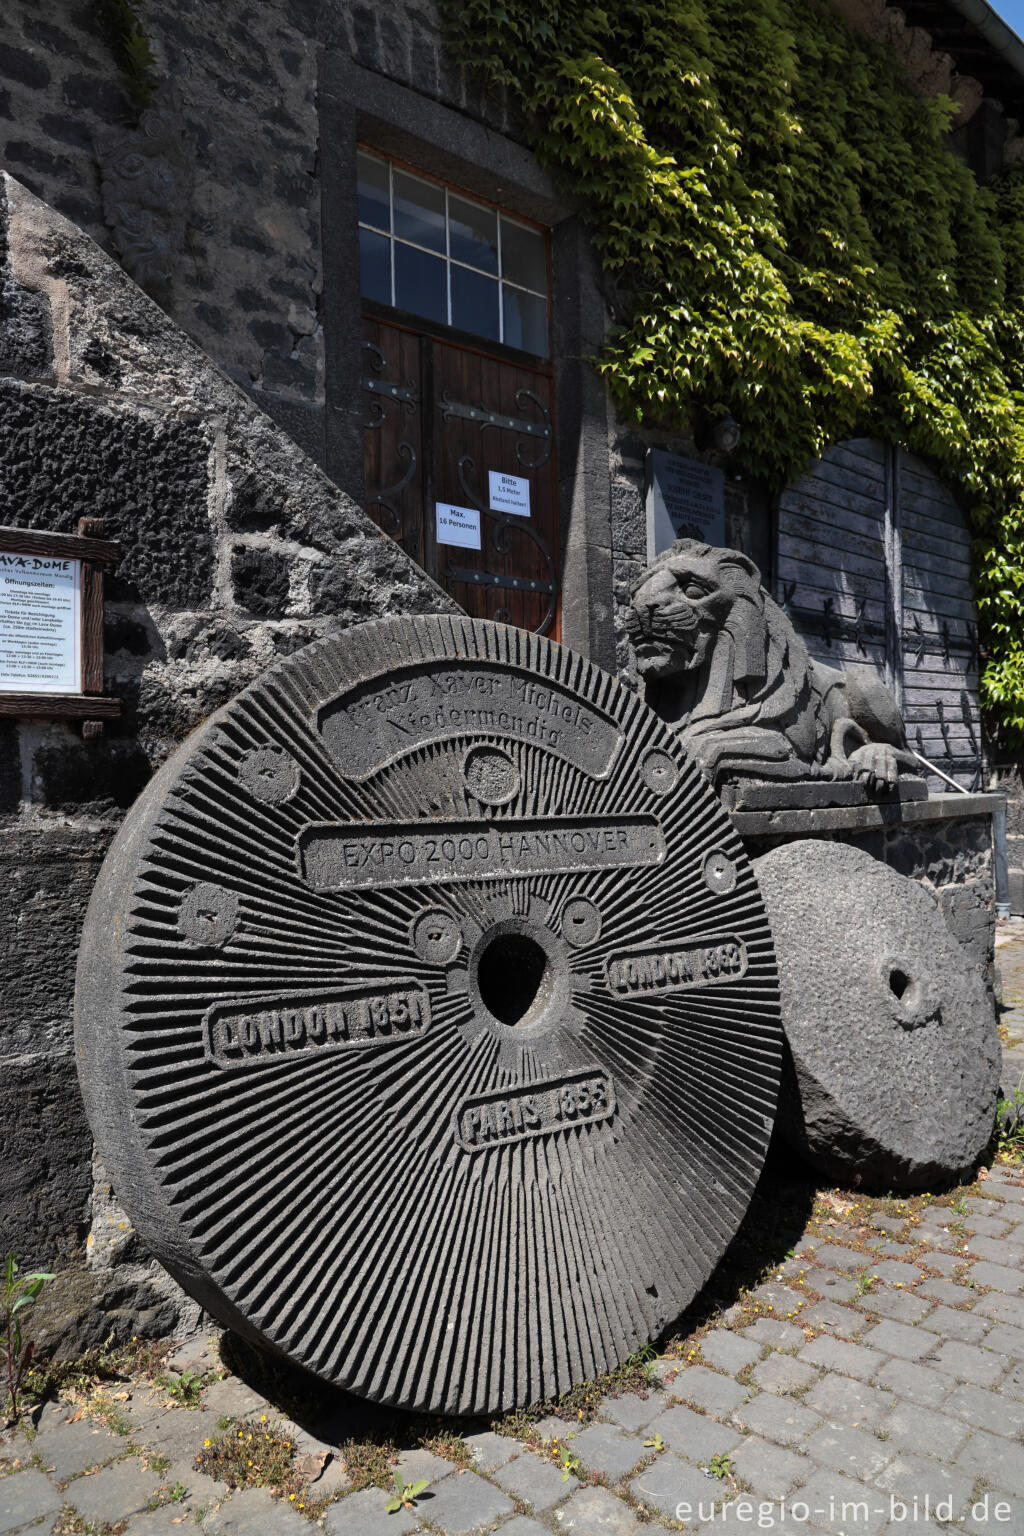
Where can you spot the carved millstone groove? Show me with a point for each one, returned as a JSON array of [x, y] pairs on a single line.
[[420, 1031], [893, 1038]]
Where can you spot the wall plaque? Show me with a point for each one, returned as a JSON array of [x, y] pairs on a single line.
[[685, 500], [40, 624], [51, 622], [423, 1035]]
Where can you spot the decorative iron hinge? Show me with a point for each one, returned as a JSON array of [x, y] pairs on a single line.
[[489, 579]]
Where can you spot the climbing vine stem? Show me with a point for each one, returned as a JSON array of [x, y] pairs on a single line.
[[789, 238]]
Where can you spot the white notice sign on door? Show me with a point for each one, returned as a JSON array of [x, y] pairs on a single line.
[[457, 525], [40, 624], [509, 493]]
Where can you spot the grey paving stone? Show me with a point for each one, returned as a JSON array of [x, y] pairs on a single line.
[[846, 1401], [783, 1374], [967, 1362], [893, 1272], [778, 1418], [68, 1449], [979, 1206], [846, 1449], [839, 1355], [669, 1484], [253, 1512], [901, 1306], [466, 1504], [998, 1277], [996, 1512], [417, 1464], [781, 1300], [914, 1428], [26, 1496], [592, 1512], [843, 1322], [363, 1514], [1004, 1309], [994, 1249], [912, 1477], [1005, 1338], [891, 1338], [540, 1483], [998, 1461], [490, 1450], [985, 1410], [553, 1428], [1013, 1385], [966, 1326], [888, 1249], [836, 1503], [234, 1399], [728, 1351], [946, 1263], [606, 1449], [893, 1224], [168, 1520], [705, 1389], [917, 1383], [768, 1330], [633, 1411], [768, 1469], [522, 1525], [180, 1432], [693, 1435], [115, 1493], [831, 1286], [833, 1256]]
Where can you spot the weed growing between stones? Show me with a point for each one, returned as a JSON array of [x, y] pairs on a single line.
[[405, 1494], [19, 1293], [253, 1456]]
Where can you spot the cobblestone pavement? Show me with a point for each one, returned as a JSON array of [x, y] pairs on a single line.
[[871, 1382]]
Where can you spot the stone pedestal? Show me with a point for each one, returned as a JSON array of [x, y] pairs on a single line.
[[945, 842]]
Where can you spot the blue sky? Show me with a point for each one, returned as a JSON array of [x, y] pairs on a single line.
[[1012, 11]]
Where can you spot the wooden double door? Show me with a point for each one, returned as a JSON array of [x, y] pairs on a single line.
[[441, 417], [873, 565]]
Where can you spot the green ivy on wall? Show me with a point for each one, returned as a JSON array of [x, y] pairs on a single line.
[[790, 240]]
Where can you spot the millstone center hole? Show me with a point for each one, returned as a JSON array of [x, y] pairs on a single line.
[[509, 976], [899, 981]]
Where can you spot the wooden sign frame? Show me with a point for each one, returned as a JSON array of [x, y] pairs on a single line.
[[95, 554]]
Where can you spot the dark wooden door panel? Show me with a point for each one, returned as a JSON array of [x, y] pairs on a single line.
[[393, 463], [460, 413]]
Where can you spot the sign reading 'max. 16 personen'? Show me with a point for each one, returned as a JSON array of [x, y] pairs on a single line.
[[40, 624]]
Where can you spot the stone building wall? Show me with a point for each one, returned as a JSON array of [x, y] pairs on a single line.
[[236, 551]]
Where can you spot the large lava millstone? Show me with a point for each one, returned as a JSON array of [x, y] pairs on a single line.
[[892, 1035], [428, 1018]]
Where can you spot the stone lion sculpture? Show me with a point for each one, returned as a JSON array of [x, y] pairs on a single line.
[[720, 659]]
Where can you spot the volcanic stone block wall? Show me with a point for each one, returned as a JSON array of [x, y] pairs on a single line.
[[237, 551], [207, 185]]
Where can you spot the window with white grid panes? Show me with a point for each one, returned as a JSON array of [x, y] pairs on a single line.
[[432, 252]]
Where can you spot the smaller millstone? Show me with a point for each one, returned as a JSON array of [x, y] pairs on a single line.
[[893, 1037]]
